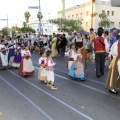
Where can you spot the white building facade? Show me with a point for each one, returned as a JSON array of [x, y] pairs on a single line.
[[46, 28], [84, 11]]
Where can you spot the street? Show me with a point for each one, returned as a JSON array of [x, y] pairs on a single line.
[[26, 98]]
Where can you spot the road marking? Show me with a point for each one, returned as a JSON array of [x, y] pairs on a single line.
[[85, 77], [27, 99], [70, 107], [87, 86]]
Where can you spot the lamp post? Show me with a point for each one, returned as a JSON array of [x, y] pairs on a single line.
[[37, 7]]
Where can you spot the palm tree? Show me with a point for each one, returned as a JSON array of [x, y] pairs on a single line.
[[39, 15], [27, 16], [24, 24]]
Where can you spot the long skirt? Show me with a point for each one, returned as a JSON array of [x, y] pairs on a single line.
[[113, 80], [79, 72], [54, 52], [50, 76], [26, 67], [42, 74], [11, 57], [17, 60], [4, 59], [69, 63]]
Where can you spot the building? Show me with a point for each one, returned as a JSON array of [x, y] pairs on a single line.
[[115, 3], [46, 28], [84, 12]]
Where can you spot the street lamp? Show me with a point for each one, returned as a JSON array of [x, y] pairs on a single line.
[[7, 23], [37, 7]]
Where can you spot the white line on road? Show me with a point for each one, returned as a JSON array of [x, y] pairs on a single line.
[[27, 99], [87, 86], [85, 78], [70, 107]]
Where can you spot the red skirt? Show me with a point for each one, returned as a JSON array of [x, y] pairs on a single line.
[[24, 73]]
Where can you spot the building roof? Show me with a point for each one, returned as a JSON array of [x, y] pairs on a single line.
[[100, 2]]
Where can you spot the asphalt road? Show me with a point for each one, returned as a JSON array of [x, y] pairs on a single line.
[[26, 98]]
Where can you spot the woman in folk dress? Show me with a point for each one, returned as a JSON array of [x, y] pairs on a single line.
[[3, 56], [42, 74], [77, 68], [50, 70], [11, 53], [17, 58], [26, 67]]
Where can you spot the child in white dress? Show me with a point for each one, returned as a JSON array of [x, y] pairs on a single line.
[[50, 70]]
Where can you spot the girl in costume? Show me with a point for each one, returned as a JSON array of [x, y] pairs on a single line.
[[72, 53], [50, 70], [26, 67], [77, 68], [42, 74]]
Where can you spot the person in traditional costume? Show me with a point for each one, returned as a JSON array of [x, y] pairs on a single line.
[[50, 70], [72, 53], [26, 67], [77, 68], [113, 78], [42, 74], [79, 43], [101, 46], [3, 56], [11, 52], [54, 40], [17, 58]]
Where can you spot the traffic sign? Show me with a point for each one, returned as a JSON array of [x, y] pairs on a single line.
[[33, 7]]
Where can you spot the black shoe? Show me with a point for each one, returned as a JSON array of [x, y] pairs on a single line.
[[82, 79], [73, 78], [102, 74], [98, 76], [113, 91]]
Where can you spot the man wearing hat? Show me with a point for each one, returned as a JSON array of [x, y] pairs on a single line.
[[101, 46]]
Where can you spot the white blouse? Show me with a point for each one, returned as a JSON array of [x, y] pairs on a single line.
[[72, 54], [41, 59], [24, 52], [76, 55], [50, 64]]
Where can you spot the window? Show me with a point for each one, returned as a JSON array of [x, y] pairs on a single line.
[[68, 17], [86, 24], [112, 13], [72, 16], [103, 11], [87, 13], [112, 24], [108, 12]]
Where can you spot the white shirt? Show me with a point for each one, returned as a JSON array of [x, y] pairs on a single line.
[[72, 53], [114, 50]]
